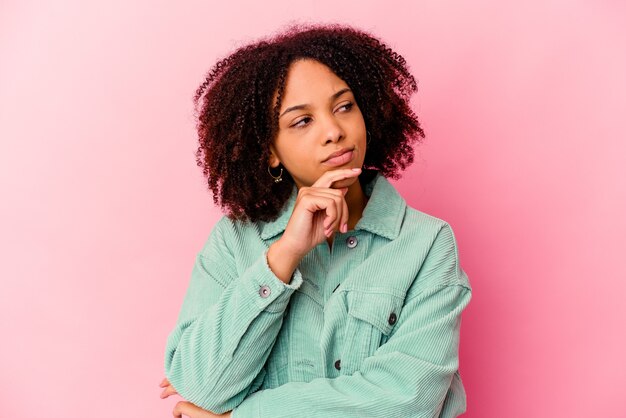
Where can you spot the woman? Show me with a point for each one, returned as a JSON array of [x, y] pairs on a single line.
[[321, 293]]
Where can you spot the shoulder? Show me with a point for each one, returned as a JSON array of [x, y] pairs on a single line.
[[426, 229], [434, 242], [221, 235], [233, 239]]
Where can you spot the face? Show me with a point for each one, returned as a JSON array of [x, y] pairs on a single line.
[[318, 117]]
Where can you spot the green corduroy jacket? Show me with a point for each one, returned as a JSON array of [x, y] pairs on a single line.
[[366, 328]]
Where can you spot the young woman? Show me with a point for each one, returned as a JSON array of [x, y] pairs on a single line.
[[321, 293]]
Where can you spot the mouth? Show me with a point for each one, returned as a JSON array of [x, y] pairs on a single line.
[[339, 158]]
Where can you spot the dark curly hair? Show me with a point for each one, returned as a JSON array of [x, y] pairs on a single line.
[[236, 121]]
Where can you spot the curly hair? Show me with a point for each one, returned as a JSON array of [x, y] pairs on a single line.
[[237, 114]]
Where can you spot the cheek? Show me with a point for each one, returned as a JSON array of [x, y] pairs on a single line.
[[296, 155], [360, 133], [283, 146]]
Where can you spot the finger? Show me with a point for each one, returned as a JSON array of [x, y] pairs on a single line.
[[183, 407], [329, 177], [177, 412], [344, 216], [327, 190], [337, 195], [340, 206], [168, 391], [343, 221], [331, 215], [314, 202], [191, 410], [164, 383]]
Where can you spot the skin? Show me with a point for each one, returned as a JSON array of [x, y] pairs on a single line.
[[308, 135], [329, 198], [187, 408], [315, 120]]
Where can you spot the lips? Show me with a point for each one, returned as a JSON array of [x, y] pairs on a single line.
[[338, 153], [342, 158]]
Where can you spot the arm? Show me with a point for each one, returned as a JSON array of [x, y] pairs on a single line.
[[409, 375], [229, 321], [227, 326]]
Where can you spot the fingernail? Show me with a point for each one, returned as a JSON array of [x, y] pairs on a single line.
[[356, 169], [344, 228]]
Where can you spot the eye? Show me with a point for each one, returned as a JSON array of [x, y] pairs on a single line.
[[347, 106], [298, 123]]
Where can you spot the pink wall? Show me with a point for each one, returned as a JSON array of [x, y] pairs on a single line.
[[103, 208]]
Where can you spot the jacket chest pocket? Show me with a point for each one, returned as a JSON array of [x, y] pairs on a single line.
[[371, 319]]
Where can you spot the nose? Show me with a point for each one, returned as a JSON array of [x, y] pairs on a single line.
[[333, 131]]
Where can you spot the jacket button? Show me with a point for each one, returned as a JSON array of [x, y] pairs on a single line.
[[392, 318], [351, 242], [264, 291], [338, 365]]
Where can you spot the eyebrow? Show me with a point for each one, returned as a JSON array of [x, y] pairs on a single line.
[[302, 106]]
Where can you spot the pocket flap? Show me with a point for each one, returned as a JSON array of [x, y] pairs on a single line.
[[379, 309]]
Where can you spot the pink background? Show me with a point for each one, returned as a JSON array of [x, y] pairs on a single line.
[[103, 208]]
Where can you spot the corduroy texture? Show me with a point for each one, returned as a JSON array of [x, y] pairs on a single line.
[[365, 330]]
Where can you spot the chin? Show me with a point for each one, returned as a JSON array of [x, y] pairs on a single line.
[[345, 182]]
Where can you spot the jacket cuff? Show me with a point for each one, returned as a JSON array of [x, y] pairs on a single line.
[[267, 289]]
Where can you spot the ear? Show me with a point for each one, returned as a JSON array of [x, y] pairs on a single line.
[[274, 160]]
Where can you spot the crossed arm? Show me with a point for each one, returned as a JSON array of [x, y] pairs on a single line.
[[410, 375], [187, 408]]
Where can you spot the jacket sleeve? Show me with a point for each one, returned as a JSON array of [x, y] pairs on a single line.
[[409, 375], [227, 325]]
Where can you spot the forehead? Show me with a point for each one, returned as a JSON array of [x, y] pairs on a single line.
[[309, 80]]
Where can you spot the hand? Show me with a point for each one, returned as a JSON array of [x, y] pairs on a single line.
[[192, 411], [320, 210], [169, 389], [187, 408]]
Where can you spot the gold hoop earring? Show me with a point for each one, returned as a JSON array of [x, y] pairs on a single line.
[[276, 179]]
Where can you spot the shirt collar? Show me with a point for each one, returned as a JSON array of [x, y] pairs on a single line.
[[383, 214]]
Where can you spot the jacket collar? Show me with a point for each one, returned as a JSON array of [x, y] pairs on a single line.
[[383, 214]]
